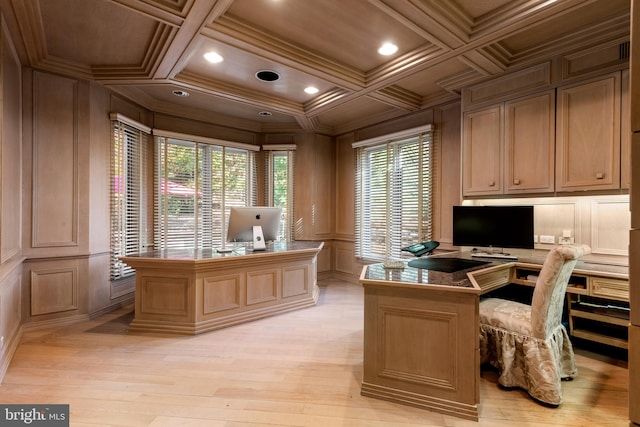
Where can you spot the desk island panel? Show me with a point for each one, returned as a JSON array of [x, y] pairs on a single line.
[[421, 343], [421, 327], [196, 291]]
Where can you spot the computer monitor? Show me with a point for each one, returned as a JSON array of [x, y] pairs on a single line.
[[243, 219], [493, 226]]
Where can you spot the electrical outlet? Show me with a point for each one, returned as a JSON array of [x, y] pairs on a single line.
[[547, 239]]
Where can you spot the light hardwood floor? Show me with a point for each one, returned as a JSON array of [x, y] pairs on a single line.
[[302, 368]]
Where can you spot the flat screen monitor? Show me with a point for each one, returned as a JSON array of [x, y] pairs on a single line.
[[493, 226], [242, 220]]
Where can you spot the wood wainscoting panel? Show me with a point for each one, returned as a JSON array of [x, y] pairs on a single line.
[[262, 286], [421, 347], [168, 296], [295, 281], [54, 290], [222, 293], [422, 364]]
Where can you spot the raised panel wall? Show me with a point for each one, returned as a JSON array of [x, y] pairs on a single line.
[[54, 290], [55, 161], [10, 152]]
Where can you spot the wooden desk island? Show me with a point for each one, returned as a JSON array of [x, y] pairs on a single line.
[[421, 327], [195, 291]]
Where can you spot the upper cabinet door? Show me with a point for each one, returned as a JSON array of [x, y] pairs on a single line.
[[482, 142], [529, 144], [588, 135]]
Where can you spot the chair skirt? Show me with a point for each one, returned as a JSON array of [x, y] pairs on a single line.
[[534, 364]]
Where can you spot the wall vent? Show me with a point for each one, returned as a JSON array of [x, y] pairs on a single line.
[[625, 49]]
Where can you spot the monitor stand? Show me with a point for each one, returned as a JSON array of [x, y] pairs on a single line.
[[258, 239]]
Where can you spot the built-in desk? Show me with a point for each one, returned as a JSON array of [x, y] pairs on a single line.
[[195, 291], [421, 339]]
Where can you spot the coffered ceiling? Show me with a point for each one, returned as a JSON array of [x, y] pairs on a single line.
[[146, 50]]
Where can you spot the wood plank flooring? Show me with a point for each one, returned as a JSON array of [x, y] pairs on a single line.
[[302, 368]]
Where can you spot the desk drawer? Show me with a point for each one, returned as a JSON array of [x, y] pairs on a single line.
[[492, 279], [602, 287]]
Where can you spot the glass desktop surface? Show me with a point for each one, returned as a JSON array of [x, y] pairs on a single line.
[[420, 276], [239, 249]]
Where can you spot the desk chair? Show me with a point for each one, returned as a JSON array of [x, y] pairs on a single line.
[[528, 343]]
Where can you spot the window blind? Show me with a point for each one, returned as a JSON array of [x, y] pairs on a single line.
[[196, 184], [279, 172], [393, 195], [129, 155]]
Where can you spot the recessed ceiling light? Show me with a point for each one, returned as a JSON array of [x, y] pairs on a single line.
[[311, 90], [267, 75], [213, 57], [179, 92], [388, 49], [264, 113]]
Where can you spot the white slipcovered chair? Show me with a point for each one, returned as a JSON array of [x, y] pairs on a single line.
[[528, 344]]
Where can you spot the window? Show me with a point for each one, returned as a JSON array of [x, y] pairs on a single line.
[[129, 154], [196, 182], [279, 182], [393, 194]]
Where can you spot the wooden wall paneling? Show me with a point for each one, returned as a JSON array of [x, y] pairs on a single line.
[[55, 142], [10, 312], [304, 186], [595, 60], [323, 172], [512, 85], [325, 257], [625, 132], [10, 149], [447, 170], [202, 128], [607, 237], [54, 290], [345, 188]]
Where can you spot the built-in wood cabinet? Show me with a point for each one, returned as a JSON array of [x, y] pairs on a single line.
[[529, 144], [573, 138], [508, 148], [588, 135], [482, 143]]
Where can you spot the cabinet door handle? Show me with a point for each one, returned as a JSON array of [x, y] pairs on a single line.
[[516, 182], [599, 175], [492, 183]]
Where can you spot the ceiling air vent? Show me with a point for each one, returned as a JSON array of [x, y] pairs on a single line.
[[625, 49]]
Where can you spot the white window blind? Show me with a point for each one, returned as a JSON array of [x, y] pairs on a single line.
[[129, 155], [196, 184], [393, 195], [279, 185]]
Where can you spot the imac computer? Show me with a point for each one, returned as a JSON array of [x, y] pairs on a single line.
[[492, 227], [257, 224]]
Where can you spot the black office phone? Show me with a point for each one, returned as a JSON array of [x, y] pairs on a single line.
[[419, 249]]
